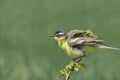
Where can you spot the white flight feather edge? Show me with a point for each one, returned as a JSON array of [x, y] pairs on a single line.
[[108, 47], [76, 39]]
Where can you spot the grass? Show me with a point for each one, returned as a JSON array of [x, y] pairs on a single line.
[[26, 52]]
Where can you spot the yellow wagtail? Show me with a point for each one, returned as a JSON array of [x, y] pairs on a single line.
[[78, 43]]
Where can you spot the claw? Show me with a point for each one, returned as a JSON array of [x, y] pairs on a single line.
[[78, 59]]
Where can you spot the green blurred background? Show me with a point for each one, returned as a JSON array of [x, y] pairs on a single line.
[[27, 53]]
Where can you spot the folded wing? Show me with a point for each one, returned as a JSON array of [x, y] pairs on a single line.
[[77, 37]]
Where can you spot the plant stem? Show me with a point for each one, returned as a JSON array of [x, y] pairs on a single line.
[[68, 76]]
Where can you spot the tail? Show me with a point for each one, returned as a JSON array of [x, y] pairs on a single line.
[[108, 47]]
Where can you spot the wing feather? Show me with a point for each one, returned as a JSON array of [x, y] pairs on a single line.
[[76, 37]]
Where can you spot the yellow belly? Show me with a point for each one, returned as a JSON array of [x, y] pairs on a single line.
[[70, 51], [76, 52]]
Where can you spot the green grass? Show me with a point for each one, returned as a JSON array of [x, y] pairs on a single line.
[[27, 53]]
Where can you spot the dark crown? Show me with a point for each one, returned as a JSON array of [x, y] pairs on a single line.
[[60, 33]]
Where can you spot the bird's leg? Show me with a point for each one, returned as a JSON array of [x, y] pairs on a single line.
[[78, 59]]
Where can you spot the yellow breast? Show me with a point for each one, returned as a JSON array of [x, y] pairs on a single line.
[[70, 51]]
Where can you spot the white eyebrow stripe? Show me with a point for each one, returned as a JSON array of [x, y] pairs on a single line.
[[61, 33]]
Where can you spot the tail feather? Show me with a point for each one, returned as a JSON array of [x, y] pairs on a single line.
[[108, 47]]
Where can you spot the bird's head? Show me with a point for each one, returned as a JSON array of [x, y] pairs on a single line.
[[59, 35]]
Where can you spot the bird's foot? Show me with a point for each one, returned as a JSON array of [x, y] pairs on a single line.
[[78, 59]]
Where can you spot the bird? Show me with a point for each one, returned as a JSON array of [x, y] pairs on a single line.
[[78, 43]]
